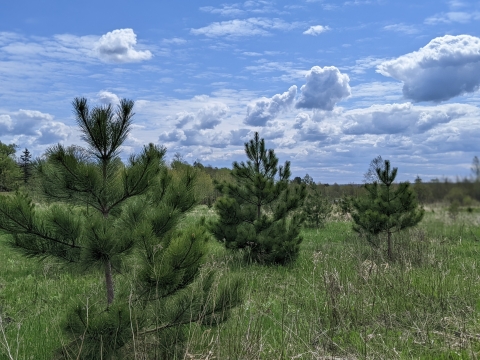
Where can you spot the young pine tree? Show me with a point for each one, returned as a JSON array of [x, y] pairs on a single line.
[[386, 208], [317, 207], [243, 220], [26, 165], [99, 214]]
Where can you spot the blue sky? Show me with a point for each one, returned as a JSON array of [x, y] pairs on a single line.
[[329, 84]]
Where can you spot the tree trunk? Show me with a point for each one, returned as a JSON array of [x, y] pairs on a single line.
[[258, 211], [389, 239], [109, 282]]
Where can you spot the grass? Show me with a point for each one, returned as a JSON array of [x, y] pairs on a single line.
[[340, 300]]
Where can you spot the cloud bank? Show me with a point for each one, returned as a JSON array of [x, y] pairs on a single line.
[[446, 67]]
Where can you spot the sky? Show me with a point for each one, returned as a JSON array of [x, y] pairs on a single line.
[[329, 85]]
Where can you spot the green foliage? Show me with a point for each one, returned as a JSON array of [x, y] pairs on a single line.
[[346, 204], [454, 209], [316, 208], [101, 214], [204, 188], [423, 191], [386, 208], [244, 223], [9, 171], [98, 333]]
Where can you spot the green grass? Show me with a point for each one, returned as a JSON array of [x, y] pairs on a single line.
[[341, 298]]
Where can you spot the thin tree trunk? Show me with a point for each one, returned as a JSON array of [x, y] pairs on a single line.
[[109, 282], [258, 211]]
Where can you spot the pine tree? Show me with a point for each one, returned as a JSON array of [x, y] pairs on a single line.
[[244, 222], [387, 208], [316, 208], [101, 212], [25, 165]]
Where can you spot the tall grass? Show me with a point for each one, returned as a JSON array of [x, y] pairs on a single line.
[[341, 299]]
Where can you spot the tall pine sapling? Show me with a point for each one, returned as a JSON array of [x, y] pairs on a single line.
[[100, 212], [386, 208], [26, 165], [257, 211], [317, 207]]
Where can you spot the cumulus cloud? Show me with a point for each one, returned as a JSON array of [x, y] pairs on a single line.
[[300, 119], [310, 130], [194, 137], [265, 109], [324, 88], [316, 30], [118, 46], [446, 67], [39, 127], [107, 98], [239, 137], [210, 116], [172, 136], [6, 123], [241, 28], [183, 118], [273, 130], [53, 132]]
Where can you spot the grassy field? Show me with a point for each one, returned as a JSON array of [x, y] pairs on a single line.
[[340, 300]]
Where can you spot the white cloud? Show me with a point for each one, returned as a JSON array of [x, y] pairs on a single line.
[[241, 28], [324, 88], [273, 130], [401, 118], [38, 127], [316, 30], [172, 136], [239, 137], [174, 41], [312, 131], [118, 46], [225, 10], [446, 67], [210, 116], [453, 16], [300, 119], [363, 64], [402, 28], [184, 118], [107, 97], [6, 123], [53, 132], [265, 109]]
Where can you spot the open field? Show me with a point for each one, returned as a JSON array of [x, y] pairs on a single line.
[[340, 300]]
